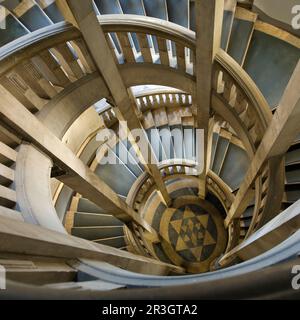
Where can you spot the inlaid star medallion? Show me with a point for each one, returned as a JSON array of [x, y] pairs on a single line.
[[192, 233], [192, 230]]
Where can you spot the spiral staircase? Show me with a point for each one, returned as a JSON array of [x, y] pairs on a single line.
[[73, 225]]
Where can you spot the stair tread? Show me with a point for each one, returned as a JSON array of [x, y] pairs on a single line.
[[98, 285], [97, 227], [111, 238]]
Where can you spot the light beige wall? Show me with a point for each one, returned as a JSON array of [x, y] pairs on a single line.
[[32, 177], [81, 129]]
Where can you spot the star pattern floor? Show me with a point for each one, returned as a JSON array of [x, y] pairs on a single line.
[[192, 233], [192, 230]]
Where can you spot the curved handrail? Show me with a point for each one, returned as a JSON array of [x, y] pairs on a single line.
[[282, 252], [31, 44], [176, 33], [187, 168], [153, 92], [258, 102], [62, 33], [28, 46], [247, 84], [135, 23]]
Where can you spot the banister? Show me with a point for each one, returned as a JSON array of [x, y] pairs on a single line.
[[135, 23], [153, 92], [267, 237], [226, 196], [174, 32], [247, 84], [31, 44]]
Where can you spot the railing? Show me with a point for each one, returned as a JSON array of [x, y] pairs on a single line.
[[171, 169], [145, 185], [139, 40], [8, 196], [269, 236], [57, 56], [252, 109], [34, 94], [149, 40], [109, 117], [139, 191], [261, 198], [36, 67], [166, 98], [124, 34], [220, 189], [54, 57]]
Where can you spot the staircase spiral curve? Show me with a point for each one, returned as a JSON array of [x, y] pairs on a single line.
[[72, 223]]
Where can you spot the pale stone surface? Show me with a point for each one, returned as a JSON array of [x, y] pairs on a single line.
[[33, 170]]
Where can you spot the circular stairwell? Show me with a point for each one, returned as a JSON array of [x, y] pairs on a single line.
[[194, 237]]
